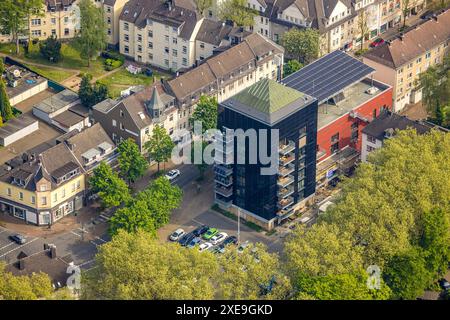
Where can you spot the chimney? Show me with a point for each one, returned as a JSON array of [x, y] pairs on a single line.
[[53, 252], [22, 264]]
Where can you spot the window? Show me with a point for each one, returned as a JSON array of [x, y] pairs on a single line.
[[166, 50], [126, 26], [184, 62], [150, 45], [126, 38], [335, 138], [166, 62], [371, 139], [8, 192], [108, 20], [202, 45], [108, 9], [374, 113], [428, 55], [44, 201], [122, 114], [150, 56], [150, 34], [78, 184], [139, 48], [33, 199], [174, 52], [53, 21], [334, 147], [66, 20], [66, 31], [139, 38], [167, 38], [184, 49], [35, 22], [126, 49], [174, 40]]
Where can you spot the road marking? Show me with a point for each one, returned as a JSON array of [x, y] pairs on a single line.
[[98, 238], [8, 245], [73, 232], [31, 241], [198, 222], [105, 217], [86, 262], [83, 230]]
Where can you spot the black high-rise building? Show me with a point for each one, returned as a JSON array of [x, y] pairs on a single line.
[[267, 199]]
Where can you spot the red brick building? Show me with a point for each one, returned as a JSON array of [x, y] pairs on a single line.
[[349, 98]]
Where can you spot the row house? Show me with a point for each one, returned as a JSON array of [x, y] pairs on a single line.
[[400, 61], [171, 103], [41, 187], [336, 20], [160, 33]]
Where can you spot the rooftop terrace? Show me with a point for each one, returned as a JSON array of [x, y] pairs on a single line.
[[353, 97]]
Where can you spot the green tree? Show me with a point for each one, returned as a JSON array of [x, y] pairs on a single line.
[[5, 106], [135, 266], [363, 28], [90, 94], [435, 241], [132, 218], [13, 19], [252, 274], [37, 286], [162, 198], [112, 190], [291, 66], [206, 113], [160, 145], [132, 163], [92, 35], [341, 287], [50, 49], [407, 274], [435, 86], [202, 5], [321, 250], [302, 44], [238, 12]]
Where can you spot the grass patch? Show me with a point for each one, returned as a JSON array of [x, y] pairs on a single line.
[[52, 74], [230, 215], [122, 79], [70, 58]]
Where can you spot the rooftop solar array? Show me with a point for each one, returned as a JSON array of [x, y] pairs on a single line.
[[328, 76]]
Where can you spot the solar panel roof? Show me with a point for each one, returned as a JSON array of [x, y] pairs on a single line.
[[328, 76]]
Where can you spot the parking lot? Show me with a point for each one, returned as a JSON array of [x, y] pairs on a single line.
[[196, 210]]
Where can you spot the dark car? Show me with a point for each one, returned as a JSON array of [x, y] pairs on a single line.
[[200, 230], [18, 238], [445, 285], [184, 241], [230, 240], [426, 15]]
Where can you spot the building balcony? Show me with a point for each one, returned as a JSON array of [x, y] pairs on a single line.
[[285, 192], [224, 202], [284, 213], [286, 202], [285, 160], [223, 170], [226, 192], [285, 181], [284, 171], [287, 148], [225, 182]]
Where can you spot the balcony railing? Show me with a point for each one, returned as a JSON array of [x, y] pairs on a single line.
[[285, 181], [287, 148], [285, 192], [285, 160], [284, 171], [285, 212], [224, 202], [286, 202], [226, 192], [223, 170], [226, 182]]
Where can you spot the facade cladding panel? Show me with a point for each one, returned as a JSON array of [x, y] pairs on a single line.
[[344, 125], [258, 193]]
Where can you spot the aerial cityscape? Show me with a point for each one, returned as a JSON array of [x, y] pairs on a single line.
[[224, 150]]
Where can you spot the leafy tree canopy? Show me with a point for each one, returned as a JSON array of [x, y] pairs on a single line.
[[131, 162]]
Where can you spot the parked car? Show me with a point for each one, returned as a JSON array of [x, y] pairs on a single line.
[[377, 42], [177, 234], [445, 285], [230, 240], [188, 237], [243, 246], [194, 242], [18, 238], [210, 233], [172, 174], [200, 230], [426, 15], [218, 238], [204, 246]]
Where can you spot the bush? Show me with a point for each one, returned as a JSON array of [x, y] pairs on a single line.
[[360, 52], [113, 56], [50, 49], [111, 64]]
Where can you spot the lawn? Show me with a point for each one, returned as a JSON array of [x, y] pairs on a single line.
[[70, 58], [122, 79], [52, 74]]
